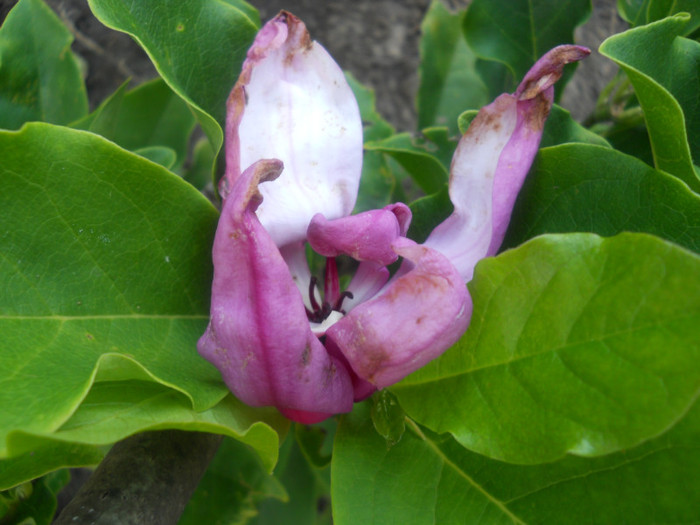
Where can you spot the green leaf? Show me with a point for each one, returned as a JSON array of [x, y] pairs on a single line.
[[34, 503], [315, 442], [561, 128], [518, 32], [663, 68], [199, 171], [197, 47], [415, 156], [161, 155], [104, 276], [640, 12], [114, 410], [428, 212], [536, 377], [235, 482], [39, 75], [659, 9], [307, 491], [449, 83], [583, 188], [633, 11], [378, 183], [149, 116], [42, 460], [441, 482]]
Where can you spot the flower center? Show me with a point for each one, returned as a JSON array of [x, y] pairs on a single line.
[[332, 296]]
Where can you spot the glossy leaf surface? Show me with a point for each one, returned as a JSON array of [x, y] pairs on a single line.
[[536, 377], [102, 281]]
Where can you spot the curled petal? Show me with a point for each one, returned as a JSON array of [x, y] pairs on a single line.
[[491, 162], [366, 236], [292, 102], [416, 318], [259, 336]]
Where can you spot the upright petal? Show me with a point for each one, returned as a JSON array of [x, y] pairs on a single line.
[[259, 336], [416, 318], [491, 162], [292, 102]]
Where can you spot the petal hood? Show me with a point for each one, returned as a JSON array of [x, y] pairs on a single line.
[[292, 102]]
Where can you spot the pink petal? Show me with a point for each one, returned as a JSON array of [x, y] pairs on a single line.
[[491, 162], [259, 335], [366, 236], [416, 318], [292, 102]]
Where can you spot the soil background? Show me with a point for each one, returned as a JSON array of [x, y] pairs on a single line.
[[376, 40]]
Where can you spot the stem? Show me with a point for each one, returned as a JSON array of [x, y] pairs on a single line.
[[146, 478]]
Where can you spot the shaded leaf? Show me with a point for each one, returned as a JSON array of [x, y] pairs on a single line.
[[34, 503], [40, 78], [536, 377], [149, 116], [582, 188], [233, 485], [518, 32], [663, 68], [449, 82], [414, 156], [307, 490]]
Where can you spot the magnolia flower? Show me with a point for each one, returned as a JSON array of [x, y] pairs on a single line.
[[293, 164]]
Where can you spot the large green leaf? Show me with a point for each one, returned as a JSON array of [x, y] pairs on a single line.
[[197, 47], [104, 276], [441, 482], [149, 116], [449, 83], [576, 187], [518, 32], [663, 68], [39, 75], [577, 344]]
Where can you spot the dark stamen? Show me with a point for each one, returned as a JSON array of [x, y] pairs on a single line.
[[312, 295], [339, 302]]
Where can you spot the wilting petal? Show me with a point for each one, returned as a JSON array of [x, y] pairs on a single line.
[[259, 336], [491, 162], [416, 318], [292, 102], [366, 236]]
